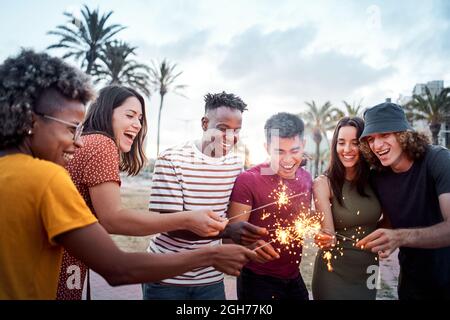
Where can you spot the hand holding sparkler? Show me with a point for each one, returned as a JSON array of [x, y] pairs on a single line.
[[264, 250], [325, 239], [243, 232]]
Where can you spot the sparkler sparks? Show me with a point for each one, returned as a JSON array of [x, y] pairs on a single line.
[[265, 216], [282, 196], [292, 229], [283, 236], [307, 225], [327, 256]]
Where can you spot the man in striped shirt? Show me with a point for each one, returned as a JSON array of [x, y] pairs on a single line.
[[197, 175]]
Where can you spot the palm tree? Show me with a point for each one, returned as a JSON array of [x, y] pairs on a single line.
[[119, 68], [432, 108], [354, 110], [320, 120], [162, 77], [324, 158], [84, 39]]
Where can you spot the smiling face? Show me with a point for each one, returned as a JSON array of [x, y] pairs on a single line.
[[52, 140], [221, 128], [389, 151], [347, 146], [127, 122], [286, 155]]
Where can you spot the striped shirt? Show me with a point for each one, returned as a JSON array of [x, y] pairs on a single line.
[[186, 179]]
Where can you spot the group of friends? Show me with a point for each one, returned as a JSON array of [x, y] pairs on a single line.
[[60, 198]]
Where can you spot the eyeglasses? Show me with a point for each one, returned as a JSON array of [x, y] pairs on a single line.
[[78, 128]]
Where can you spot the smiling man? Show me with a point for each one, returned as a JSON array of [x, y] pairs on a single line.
[[413, 186], [278, 279], [198, 175]]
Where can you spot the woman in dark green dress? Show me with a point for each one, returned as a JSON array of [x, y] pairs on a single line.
[[351, 211]]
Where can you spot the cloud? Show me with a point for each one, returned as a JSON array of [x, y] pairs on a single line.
[[278, 63], [185, 48]]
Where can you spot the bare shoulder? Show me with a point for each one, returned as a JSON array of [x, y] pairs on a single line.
[[321, 185], [321, 181]]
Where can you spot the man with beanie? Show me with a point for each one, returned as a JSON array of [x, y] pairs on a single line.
[[412, 181]]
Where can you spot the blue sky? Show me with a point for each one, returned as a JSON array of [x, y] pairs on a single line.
[[274, 54]]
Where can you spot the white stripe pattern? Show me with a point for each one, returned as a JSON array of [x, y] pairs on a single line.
[[186, 179]]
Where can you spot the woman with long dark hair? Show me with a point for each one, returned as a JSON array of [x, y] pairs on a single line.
[[42, 106], [350, 210], [113, 139]]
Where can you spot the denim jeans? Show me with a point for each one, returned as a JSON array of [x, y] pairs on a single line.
[[158, 291], [252, 286]]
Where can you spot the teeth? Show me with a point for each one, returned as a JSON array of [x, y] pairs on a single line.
[[383, 152], [287, 167]]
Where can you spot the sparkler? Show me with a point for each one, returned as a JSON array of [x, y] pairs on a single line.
[[337, 235], [266, 205], [265, 244]]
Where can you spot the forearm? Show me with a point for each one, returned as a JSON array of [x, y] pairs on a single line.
[[93, 246], [151, 267], [139, 223], [433, 237]]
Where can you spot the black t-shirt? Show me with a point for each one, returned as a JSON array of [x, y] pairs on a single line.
[[410, 200]]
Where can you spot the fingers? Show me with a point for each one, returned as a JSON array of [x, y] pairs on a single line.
[[217, 225], [232, 258], [216, 216], [384, 254], [268, 253], [248, 239], [250, 254], [373, 236], [262, 255], [251, 229], [375, 245]]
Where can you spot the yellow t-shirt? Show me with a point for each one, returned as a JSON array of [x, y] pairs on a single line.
[[38, 201]]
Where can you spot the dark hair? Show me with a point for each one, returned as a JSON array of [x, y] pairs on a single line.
[[336, 170], [35, 82], [99, 120], [288, 125], [217, 100], [413, 143]]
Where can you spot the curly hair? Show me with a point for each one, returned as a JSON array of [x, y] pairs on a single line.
[[217, 100], [413, 143], [23, 80]]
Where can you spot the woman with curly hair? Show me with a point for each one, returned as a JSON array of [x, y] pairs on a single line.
[[413, 185], [42, 105], [350, 208]]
